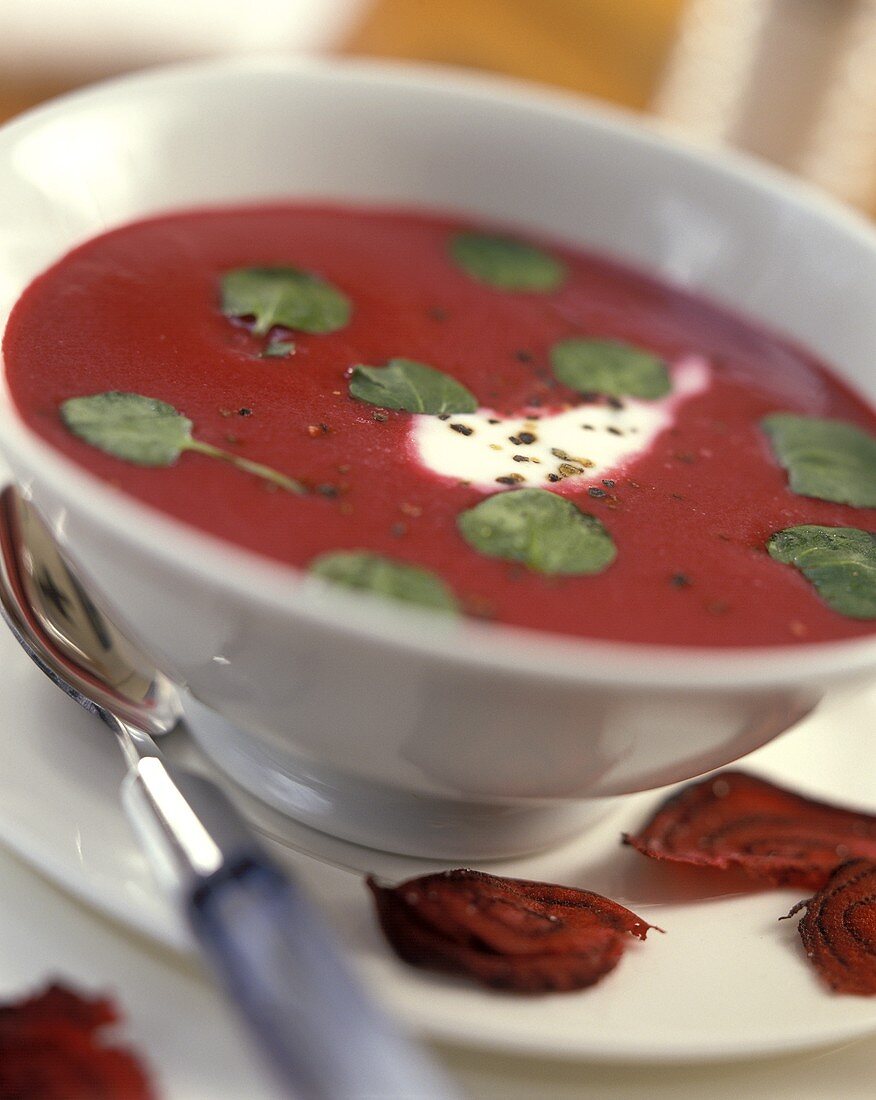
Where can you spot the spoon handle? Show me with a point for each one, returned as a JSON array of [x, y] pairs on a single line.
[[324, 1038]]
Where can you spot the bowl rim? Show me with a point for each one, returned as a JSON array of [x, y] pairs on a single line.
[[466, 643]]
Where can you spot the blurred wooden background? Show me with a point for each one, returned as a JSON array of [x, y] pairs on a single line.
[[613, 49], [793, 81]]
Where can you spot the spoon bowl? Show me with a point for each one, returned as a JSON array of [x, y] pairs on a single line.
[[66, 633]]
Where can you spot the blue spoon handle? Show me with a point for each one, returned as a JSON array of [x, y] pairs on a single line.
[[323, 1037]]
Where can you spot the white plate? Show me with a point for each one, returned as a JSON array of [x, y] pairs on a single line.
[[726, 981]]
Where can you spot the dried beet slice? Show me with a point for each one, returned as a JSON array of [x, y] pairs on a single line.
[[51, 1049], [59, 1004], [839, 928], [510, 934], [737, 820]]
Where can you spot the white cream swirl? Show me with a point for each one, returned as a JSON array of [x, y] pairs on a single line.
[[591, 440]]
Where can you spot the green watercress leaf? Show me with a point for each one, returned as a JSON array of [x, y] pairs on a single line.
[[506, 263], [374, 573], [545, 532], [149, 432], [839, 561], [284, 296], [138, 429], [411, 386], [609, 367], [827, 459]]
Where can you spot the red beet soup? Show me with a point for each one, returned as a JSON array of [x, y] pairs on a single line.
[[502, 427]]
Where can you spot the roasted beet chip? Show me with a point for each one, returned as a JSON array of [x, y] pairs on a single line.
[[525, 937], [839, 928], [737, 820], [58, 1004], [50, 1049]]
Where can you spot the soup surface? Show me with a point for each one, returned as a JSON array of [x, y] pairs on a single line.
[[623, 419]]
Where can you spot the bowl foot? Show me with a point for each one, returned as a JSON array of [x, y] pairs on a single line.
[[379, 816]]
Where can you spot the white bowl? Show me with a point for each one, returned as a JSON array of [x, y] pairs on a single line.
[[375, 722]]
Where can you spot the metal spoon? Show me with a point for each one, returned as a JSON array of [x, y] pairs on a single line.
[[323, 1037]]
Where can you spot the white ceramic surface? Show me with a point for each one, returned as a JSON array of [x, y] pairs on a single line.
[[197, 1053], [727, 980], [405, 723]]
